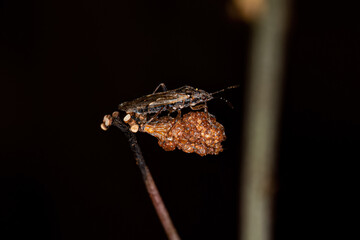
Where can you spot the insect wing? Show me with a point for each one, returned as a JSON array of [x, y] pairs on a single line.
[[153, 102]]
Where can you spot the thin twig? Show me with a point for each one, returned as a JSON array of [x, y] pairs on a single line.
[[149, 181]]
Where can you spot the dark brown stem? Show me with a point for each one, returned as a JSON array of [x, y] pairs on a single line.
[[149, 181]]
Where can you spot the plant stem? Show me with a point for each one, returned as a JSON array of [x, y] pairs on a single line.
[[262, 121], [156, 199]]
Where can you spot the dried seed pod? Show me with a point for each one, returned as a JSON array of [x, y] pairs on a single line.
[[103, 126], [107, 121], [127, 118], [134, 127], [115, 114], [195, 132]]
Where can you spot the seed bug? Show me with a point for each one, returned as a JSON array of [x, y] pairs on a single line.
[[168, 100]]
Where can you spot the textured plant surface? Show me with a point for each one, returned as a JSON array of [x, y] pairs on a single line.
[[195, 132]]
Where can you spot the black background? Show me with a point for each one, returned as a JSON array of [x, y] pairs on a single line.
[[65, 64]]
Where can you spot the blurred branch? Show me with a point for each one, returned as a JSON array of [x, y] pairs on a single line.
[[261, 121], [156, 199], [247, 10]]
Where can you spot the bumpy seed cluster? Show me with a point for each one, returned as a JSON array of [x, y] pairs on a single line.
[[195, 132]]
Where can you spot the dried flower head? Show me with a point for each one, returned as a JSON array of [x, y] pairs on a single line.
[[195, 132]]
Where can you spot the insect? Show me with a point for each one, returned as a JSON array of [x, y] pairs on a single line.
[[168, 100]]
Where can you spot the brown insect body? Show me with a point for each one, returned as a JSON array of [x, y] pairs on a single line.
[[171, 100]]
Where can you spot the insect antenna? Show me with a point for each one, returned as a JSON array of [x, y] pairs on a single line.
[[227, 102], [222, 90]]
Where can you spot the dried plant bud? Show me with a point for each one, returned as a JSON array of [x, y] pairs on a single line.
[[127, 118], [107, 121], [195, 132], [134, 128], [103, 126], [115, 114]]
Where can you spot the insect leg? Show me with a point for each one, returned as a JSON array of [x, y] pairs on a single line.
[[205, 107], [200, 106], [153, 117], [178, 116], [162, 85], [228, 102], [170, 111]]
